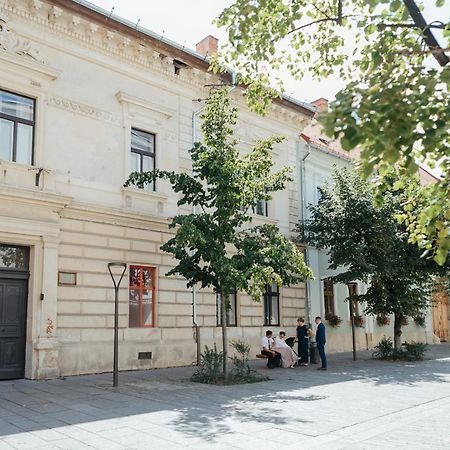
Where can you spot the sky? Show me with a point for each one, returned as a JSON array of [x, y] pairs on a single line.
[[189, 21]]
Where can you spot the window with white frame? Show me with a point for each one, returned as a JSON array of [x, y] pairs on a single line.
[[17, 120]]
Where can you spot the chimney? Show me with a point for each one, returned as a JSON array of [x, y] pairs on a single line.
[[321, 104], [208, 46]]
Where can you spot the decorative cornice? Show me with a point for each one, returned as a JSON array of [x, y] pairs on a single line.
[[123, 97], [116, 216], [85, 110], [32, 197], [91, 34]]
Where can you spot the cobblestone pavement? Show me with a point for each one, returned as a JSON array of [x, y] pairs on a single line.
[[354, 405]]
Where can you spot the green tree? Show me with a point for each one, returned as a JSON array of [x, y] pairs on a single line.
[[395, 106], [365, 241], [218, 247]]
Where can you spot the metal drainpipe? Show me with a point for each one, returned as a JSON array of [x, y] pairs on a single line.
[[195, 115], [302, 210]]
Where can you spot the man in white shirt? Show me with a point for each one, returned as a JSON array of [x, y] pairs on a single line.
[[274, 358]]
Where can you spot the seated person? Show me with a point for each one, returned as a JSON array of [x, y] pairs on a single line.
[[267, 344], [288, 356]]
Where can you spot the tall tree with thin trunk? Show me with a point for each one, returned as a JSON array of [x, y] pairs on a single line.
[[218, 247], [365, 241]]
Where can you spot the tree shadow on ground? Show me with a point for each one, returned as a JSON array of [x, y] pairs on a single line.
[[164, 398]]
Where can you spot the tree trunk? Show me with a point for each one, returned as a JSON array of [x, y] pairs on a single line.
[[223, 315], [398, 331]]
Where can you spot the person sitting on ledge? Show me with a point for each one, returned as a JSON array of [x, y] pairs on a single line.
[[274, 358]]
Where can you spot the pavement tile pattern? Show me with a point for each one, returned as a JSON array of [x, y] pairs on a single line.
[[363, 404]]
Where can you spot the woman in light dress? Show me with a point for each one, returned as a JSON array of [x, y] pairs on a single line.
[[288, 357]]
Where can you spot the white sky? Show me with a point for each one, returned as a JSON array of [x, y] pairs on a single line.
[[189, 21]]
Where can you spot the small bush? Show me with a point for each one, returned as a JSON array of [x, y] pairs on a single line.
[[410, 351], [210, 368], [211, 364], [242, 372], [333, 320], [384, 349], [420, 321], [382, 320], [358, 321], [415, 351]]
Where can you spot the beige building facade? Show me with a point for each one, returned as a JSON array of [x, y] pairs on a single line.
[[86, 98]]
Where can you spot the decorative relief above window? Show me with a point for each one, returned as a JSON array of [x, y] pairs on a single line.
[[11, 42]]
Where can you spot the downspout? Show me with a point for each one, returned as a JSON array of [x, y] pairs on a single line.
[[195, 325], [195, 115], [302, 210]]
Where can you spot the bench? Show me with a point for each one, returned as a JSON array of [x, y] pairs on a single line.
[[259, 356]]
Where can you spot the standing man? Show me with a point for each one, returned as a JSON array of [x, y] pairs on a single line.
[[267, 344], [321, 341]]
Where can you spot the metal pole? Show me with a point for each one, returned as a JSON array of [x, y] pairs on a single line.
[[352, 319], [116, 319], [116, 339]]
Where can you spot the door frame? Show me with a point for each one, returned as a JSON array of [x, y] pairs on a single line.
[[20, 274]]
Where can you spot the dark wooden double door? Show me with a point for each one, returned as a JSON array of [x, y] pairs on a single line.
[[13, 319]]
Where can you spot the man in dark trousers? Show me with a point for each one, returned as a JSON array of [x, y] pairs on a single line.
[[321, 341], [274, 358]]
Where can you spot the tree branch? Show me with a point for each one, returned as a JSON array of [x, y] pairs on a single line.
[[428, 36], [382, 26]]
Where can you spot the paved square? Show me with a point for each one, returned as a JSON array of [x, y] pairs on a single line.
[[354, 405]]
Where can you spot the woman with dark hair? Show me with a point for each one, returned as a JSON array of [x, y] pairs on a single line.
[[303, 334]]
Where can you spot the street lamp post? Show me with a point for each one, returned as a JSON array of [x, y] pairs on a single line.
[[123, 266]]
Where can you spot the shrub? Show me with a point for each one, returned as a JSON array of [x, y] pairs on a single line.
[[415, 351], [333, 320], [358, 321], [384, 349], [410, 351], [382, 320], [242, 372], [420, 321], [210, 368]]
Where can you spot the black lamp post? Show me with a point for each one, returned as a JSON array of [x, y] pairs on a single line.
[[123, 266]]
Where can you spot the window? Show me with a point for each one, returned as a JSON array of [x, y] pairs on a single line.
[[142, 155], [16, 128], [272, 305], [142, 296], [328, 296], [352, 291], [261, 208], [231, 310], [13, 257]]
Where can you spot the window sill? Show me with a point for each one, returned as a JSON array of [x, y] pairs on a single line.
[[7, 164], [263, 219], [144, 194]]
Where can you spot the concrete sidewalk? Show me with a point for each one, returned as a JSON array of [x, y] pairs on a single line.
[[363, 405]]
